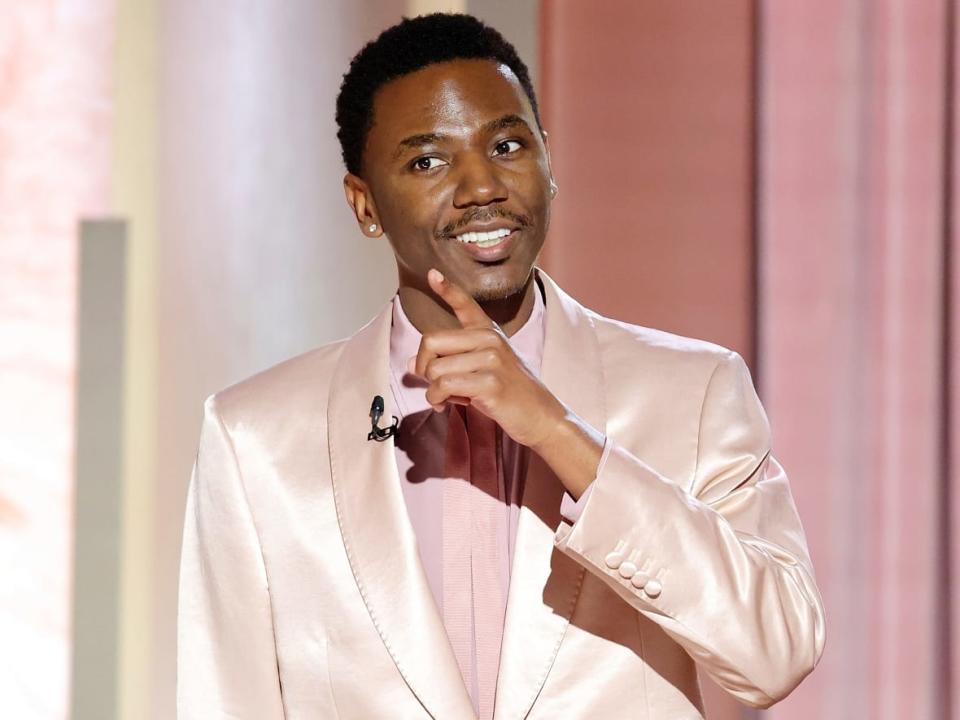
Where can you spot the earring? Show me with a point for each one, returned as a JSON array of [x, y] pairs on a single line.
[[373, 227], [553, 189]]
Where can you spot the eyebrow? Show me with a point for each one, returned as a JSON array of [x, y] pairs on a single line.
[[421, 139]]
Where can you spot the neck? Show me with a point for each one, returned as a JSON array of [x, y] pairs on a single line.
[[429, 313]]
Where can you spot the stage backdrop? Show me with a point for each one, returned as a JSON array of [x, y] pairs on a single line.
[[778, 177]]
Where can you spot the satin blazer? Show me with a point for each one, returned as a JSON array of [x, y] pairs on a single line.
[[302, 595]]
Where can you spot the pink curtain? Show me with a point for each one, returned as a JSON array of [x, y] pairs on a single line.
[[855, 150]]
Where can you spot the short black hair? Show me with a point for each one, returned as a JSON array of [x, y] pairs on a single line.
[[408, 46]]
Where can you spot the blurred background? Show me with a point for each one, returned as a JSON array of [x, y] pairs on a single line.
[[778, 177]]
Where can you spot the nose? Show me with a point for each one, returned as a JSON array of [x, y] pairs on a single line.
[[478, 182]]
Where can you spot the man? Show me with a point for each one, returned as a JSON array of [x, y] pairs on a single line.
[[573, 513]]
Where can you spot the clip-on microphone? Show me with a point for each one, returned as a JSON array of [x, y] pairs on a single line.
[[378, 433]]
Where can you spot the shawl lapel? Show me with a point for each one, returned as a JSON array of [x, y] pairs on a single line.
[[376, 529]]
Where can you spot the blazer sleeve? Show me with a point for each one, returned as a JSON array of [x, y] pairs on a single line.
[[226, 654], [721, 564]]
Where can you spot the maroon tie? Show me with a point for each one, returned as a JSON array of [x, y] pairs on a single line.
[[474, 520]]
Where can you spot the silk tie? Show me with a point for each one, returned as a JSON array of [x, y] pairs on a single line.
[[473, 522]]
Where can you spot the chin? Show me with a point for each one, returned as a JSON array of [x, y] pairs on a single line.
[[492, 289]]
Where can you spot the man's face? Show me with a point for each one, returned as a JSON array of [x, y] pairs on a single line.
[[454, 149]]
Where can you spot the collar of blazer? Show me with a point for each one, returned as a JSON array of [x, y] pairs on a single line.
[[381, 547]]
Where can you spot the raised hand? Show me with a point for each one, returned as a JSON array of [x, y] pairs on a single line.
[[475, 365]]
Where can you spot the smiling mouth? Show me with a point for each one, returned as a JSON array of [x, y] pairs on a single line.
[[487, 248], [484, 239]]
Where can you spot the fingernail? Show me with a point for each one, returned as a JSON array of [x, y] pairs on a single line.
[[438, 276]]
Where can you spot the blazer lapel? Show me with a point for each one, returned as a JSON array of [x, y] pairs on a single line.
[[545, 583], [376, 529]]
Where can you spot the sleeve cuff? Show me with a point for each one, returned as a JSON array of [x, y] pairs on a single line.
[[571, 509]]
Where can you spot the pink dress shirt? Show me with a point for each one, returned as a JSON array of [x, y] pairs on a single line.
[[420, 458]]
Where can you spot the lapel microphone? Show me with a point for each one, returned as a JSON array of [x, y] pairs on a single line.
[[378, 433]]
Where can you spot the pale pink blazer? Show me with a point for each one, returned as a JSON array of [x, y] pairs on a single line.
[[302, 594]]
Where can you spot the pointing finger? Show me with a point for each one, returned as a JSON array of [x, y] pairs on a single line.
[[467, 310]]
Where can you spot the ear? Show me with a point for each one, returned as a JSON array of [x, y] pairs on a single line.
[[546, 150], [360, 200]]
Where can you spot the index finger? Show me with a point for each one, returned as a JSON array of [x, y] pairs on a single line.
[[467, 310]]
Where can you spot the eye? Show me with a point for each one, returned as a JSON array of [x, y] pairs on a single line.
[[504, 147], [424, 163]]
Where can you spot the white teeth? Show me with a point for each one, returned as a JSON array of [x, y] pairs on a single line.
[[484, 239]]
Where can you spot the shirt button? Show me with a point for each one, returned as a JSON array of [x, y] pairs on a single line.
[[653, 588], [613, 560], [640, 579], [627, 569]]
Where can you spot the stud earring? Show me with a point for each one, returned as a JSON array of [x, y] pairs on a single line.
[[553, 189], [373, 227]]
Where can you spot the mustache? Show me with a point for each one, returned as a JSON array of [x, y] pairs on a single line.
[[485, 216]]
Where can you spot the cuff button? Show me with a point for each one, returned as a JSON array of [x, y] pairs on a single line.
[[640, 579], [627, 569], [653, 588], [613, 560]]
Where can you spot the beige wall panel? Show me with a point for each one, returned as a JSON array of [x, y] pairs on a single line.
[[134, 197]]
